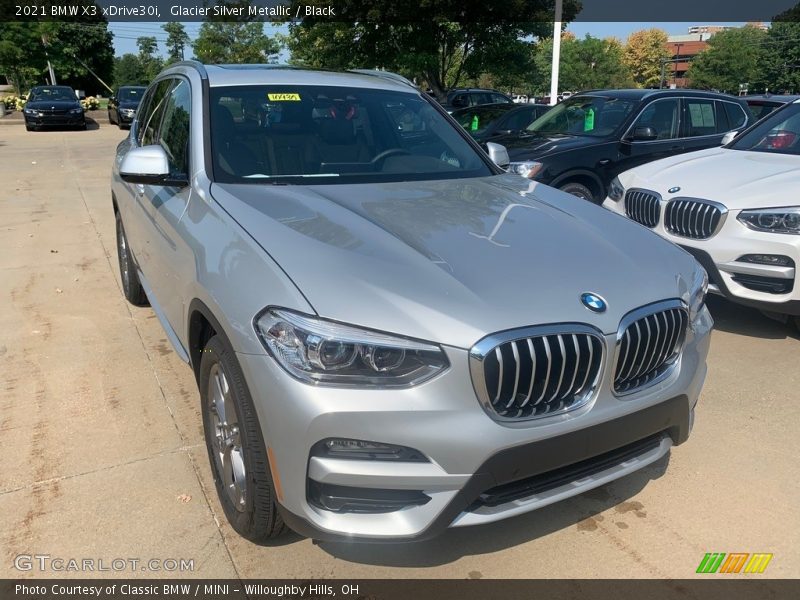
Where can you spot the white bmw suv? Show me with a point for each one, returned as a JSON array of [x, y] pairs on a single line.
[[735, 208]]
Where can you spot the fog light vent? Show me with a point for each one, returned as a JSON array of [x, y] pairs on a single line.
[[775, 260], [362, 450], [346, 499]]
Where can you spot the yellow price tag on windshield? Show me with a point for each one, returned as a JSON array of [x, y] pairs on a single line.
[[284, 97]]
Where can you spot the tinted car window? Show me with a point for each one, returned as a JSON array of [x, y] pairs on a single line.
[[722, 118], [150, 118], [130, 94], [520, 119], [595, 116], [174, 132], [478, 98], [736, 115], [476, 120], [326, 134], [761, 109], [779, 133], [699, 117], [662, 116], [55, 94], [498, 99]]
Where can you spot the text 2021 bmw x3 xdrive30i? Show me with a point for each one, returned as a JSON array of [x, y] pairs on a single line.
[[390, 335]]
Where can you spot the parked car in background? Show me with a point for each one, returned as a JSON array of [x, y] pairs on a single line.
[[763, 104], [491, 120], [735, 208], [464, 97], [584, 142], [378, 355], [53, 106], [122, 105]]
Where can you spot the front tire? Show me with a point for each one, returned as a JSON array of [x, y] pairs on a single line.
[[579, 190], [131, 286], [236, 448], [110, 120]]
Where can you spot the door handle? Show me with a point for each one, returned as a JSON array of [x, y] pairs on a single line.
[[604, 162]]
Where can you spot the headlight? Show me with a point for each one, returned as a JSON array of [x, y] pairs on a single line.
[[615, 190], [697, 295], [29, 111], [773, 220], [528, 168], [76, 111], [317, 351], [127, 111]]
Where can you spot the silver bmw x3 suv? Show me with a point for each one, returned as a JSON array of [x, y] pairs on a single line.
[[391, 335]]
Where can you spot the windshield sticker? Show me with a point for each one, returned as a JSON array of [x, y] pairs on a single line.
[[588, 120], [284, 97]]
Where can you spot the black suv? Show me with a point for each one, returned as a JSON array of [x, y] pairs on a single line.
[[583, 143], [464, 97]]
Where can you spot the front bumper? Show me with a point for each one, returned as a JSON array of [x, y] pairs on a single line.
[[471, 455], [65, 120], [768, 288]]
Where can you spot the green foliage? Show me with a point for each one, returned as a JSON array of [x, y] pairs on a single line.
[[21, 54], [128, 71], [781, 56], [239, 41], [150, 63], [645, 52], [177, 40], [430, 47], [733, 57], [590, 63]]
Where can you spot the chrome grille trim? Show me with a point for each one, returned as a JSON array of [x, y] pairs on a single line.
[[649, 344], [643, 206], [537, 372], [694, 218]]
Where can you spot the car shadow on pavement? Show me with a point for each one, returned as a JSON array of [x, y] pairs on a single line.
[[743, 320], [91, 124], [582, 512]]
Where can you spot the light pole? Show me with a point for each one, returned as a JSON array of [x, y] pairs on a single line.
[[677, 58], [556, 53]]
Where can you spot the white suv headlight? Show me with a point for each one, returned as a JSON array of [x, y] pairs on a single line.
[[318, 351], [527, 168], [772, 220]]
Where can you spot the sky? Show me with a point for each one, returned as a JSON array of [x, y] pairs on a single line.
[[125, 34]]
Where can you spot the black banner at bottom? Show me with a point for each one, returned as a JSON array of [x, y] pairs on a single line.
[[713, 588]]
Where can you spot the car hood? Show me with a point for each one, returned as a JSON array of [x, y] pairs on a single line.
[[451, 261], [55, 104], [533, 145], [736, 178]]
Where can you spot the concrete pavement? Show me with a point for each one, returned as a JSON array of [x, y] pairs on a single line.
[[103, 453]]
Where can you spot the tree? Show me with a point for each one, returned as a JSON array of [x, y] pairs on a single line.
[[177, 40], [235, 42], [21, 55], [645, 52], [781, 58], [128, 71], [422, 40], [733, 57], [590, 63], [150, 62]]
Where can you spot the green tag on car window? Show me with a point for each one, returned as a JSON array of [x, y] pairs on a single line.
[[588, 120], [474, 125]]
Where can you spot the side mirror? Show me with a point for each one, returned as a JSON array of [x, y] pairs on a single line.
[[644, 134], [728, 137], [149, 165], [498, 154]]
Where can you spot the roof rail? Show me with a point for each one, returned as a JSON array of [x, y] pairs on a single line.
[[195, 64], [384, 75]]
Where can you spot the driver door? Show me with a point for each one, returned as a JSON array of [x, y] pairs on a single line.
[[663, 117]]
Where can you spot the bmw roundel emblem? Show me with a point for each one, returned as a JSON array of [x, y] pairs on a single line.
[[672, 190], [594, 302]]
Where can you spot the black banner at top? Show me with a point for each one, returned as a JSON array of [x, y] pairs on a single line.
[[402, 11]]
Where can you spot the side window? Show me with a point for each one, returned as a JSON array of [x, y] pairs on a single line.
[[460, 101], [141, 112], [174, 132], [662, 116], [498, 99], [699, 117], [722, 118], [736, 115], [150, 120], [519, 120], [479, 98]]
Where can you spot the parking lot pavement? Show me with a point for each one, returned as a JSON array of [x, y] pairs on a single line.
[[103, 455]]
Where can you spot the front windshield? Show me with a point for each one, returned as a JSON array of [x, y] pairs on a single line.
[[53, 94], [131, 94], [594, 116], [779, 132], [322, 134], [476, 120]]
